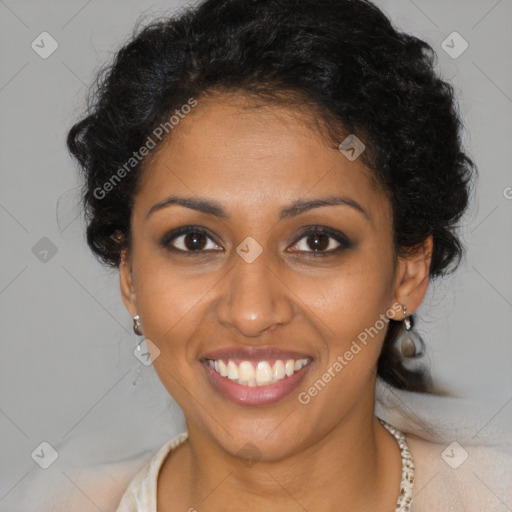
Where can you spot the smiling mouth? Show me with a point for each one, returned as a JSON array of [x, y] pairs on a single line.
[[257, 373]]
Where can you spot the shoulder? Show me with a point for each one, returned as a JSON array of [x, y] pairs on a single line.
[[460, 476], [75, 487], [140, 494], [120, 485]]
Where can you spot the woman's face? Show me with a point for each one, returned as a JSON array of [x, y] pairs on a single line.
[[255, 286]]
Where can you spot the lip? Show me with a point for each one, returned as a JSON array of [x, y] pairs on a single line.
[[255, 395]]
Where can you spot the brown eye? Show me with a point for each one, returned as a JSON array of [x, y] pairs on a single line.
[[318, 242], [193, 241], [189, 239], [321, 241]]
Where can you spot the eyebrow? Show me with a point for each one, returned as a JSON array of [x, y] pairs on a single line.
[[296, 208]]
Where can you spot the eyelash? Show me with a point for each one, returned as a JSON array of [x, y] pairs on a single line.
[[312, 230]]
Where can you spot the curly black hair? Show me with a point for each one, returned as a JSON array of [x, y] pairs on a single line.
[[344, 59]]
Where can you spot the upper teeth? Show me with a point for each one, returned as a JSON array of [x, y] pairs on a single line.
[[246, 374]]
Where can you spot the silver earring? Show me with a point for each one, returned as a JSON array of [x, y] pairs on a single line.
[[137, 325], [410, 342]]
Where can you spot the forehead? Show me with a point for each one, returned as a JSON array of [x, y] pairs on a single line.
[[250, 154]]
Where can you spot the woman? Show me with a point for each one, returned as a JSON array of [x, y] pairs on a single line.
[[277, 182]]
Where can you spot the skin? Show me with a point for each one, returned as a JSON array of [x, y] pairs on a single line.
[[254, 161]]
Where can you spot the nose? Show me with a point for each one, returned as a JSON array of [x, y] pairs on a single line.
[[254, 298]]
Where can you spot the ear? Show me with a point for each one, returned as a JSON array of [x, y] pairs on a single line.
[[126, 284], [412, 276]]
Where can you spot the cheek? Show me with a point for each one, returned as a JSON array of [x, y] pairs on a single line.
[[169, 307], [350, 302], [353, 326], [168, 300], [349, 309], [175, 308]]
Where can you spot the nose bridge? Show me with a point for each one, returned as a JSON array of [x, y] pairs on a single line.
[[254, 299]]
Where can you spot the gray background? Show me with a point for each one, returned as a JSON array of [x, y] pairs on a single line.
[[66, 362]]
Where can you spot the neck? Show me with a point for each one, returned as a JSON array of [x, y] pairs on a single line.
[[357, 464]]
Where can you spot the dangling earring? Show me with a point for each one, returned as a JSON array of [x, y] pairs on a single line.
[[138, 332], [410, 342], [134, 383], [137, 326]]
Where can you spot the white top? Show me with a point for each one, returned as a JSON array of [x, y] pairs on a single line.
[[141, 492]]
